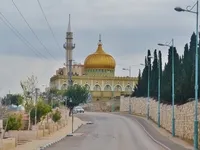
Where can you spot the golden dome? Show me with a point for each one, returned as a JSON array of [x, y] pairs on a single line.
[[99, 60]]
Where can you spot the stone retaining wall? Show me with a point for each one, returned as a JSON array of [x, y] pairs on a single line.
[[7, 144], [184, 115], [103, 106], [43, 129]]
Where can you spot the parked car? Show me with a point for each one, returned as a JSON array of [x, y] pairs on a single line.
[[74, 111], [79, 109]]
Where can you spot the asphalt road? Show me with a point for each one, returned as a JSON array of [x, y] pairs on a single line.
[[108, 132]]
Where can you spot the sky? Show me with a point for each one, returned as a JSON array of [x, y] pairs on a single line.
[[128, 29]]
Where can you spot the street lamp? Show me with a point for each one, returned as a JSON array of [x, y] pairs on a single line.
[[173, 118], [148, 92], [190, 10], [159, 92], [129, 69]]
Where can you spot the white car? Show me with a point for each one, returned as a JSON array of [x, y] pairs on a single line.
[[79, 109]]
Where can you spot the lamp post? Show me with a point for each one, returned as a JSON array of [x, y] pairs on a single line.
[[190, 10], [159, 92], [148, 90], [129, 69], [148, 86], [173, 118]]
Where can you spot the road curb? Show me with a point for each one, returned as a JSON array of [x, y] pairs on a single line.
[[56, 141], [159, 143]]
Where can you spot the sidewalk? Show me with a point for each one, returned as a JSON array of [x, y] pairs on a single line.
[[35, 144], [160, 134]]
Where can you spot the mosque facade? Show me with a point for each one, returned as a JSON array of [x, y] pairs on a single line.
[[97, 73]]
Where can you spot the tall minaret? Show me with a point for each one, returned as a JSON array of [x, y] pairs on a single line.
[[69, 46]]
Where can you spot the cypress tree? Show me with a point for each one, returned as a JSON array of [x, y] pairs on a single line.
[[144, 80], [166, 80], [154, 76], [137, 88], [149, 71], [184, 67], [177, 75]]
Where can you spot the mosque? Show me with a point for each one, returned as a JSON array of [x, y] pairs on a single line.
[[97, 73]]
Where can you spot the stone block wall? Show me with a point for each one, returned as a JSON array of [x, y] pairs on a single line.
[[7, 144], [184, 114], [103, 106]]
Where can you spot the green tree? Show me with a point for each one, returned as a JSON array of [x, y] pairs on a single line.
[[52, 95], [154, 76], [166, 80], [14, 122], [29, 87], [42, 110], [56, 116], [149, 71], [16, 99], [77, 94], [137, 88], [144, 80], [184, 68]]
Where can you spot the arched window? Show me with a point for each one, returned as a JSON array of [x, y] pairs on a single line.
[[118, 88], [107, 88], [64, 86], [97, 88], [128, 88], [87, 87]]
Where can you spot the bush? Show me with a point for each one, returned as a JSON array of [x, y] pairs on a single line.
[[14, 122], [42, 110], [56, 116]]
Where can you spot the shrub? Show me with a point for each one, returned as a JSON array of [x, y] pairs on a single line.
[[42, 110], [56, 116], [14, 122]]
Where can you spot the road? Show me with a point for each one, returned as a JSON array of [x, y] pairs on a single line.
[[108, 132]]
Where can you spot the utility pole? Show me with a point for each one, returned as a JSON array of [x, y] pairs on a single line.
[[36, 98], [69, 46]]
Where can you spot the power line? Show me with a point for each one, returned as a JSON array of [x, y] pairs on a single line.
[[20, 36], [49, 25], [33, 31]]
